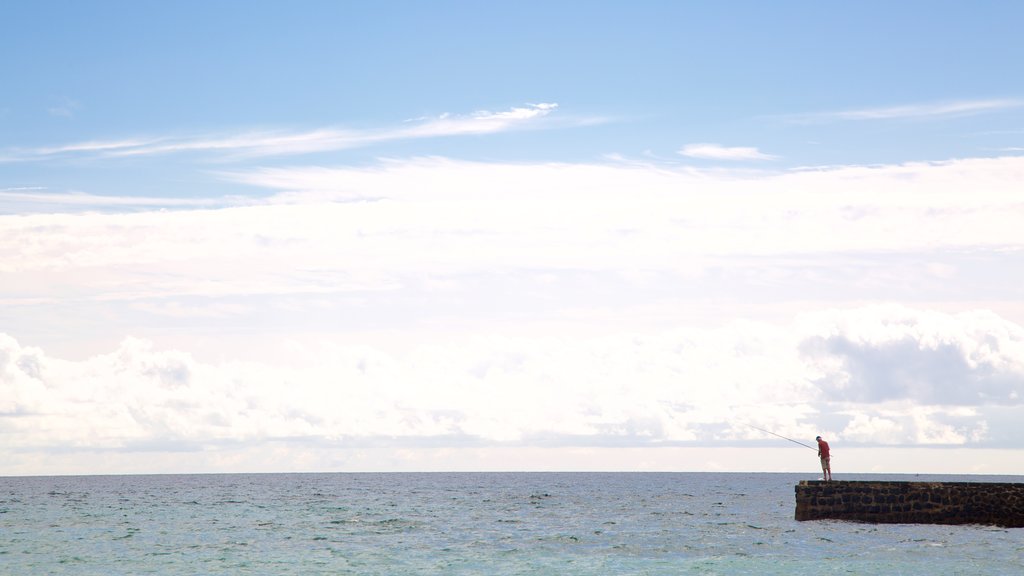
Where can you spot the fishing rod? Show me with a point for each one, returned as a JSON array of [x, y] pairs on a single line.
[[781, 436]]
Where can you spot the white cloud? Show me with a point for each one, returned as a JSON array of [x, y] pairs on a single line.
[[95, 146], [678, 386], [907, 424], [521, 113], [719, 152], [899, 207], [337, 230], [913, 111], [279, 143], [27, 200], [448, 256], [897, 354], [65, 108], [480, 122]]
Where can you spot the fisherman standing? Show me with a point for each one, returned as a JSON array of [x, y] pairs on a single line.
[[826, 468]]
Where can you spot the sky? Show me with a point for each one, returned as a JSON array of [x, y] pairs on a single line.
[[419, 236]]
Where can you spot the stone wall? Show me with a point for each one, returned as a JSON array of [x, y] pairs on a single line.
[[998, 504]]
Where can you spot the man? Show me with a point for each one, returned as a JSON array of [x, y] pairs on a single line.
[[826, 468]]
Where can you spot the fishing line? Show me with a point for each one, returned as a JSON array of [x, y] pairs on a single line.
[[781, 436]]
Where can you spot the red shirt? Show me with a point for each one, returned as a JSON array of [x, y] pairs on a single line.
[[823, 448]]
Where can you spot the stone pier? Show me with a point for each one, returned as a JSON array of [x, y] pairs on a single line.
[[998, 504]]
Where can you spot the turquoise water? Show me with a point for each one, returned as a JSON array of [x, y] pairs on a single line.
[[501, 523]]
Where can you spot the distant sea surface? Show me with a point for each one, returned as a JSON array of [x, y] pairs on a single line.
[[464, 523]]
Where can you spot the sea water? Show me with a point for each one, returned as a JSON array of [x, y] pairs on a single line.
[[466, 523]]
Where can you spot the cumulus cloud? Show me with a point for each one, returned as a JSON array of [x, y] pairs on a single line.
[[916, 425], [719, 152], [453, 258], [684, 386], [930, 358]]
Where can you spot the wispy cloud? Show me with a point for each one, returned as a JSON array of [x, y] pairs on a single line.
[[480, 122], [64, 108], [281, 143], [719, 152], [93, 146], [911, 111], [36, 199]]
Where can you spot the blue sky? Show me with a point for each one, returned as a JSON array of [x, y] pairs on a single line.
[[775, 76], [572, 235]]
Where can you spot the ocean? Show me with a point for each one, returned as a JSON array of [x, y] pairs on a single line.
[[467, 523]]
